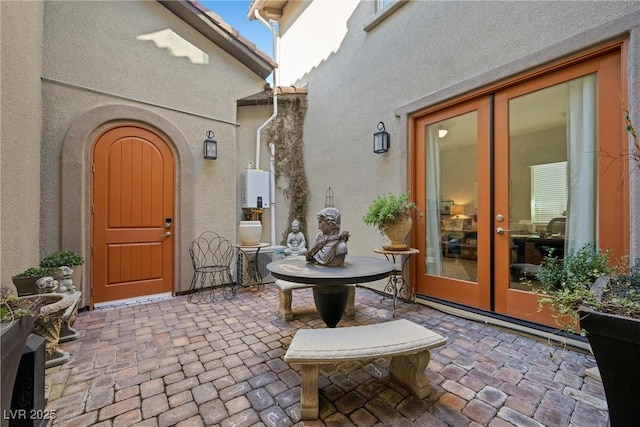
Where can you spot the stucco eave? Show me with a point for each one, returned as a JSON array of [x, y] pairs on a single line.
[[241, 49]]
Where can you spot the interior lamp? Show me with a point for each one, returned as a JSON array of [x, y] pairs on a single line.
[[442, 133], [210, 146], [457, 211], [381, 140]]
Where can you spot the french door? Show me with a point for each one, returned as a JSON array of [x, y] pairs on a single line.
[[515, 174]]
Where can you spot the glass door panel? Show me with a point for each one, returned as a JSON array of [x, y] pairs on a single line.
[[525, 171], [453, 158], [451, 186], [546, 175], [547, 128]]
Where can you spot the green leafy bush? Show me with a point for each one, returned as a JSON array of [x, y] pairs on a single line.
[[622, 294], [58, 259], [13, 307], [567, 284], [36, 272], [387, 210]]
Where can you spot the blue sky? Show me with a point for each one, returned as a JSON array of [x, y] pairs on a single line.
[[234, 13]]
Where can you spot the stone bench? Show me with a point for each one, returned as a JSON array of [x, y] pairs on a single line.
[[285, 296], [407, 343]]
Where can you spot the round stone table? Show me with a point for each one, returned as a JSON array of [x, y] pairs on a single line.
[[330, 293]]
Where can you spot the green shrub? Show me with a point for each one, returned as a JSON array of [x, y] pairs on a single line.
[[567, 284], [387, 210], [622, 294], [58, 259], [36, 272], [13, 307]]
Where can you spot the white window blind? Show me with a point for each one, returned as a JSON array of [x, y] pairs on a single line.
[[549, 192]]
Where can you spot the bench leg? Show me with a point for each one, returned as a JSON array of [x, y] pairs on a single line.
[[350, 311], [285, 310], [410, 370], [309, 401]]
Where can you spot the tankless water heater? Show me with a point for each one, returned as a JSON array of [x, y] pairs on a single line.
[[255, 189]]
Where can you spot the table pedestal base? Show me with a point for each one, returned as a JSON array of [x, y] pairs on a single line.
[[331, 302]]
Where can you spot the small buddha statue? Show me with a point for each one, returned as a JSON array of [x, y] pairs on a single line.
[[296, 243]]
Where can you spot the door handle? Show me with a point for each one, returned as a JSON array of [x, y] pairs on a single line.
[[167, 234], [501, 230]]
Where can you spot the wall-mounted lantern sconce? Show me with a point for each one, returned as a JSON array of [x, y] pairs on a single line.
[[210, 146], [328, 198], [381, 140]]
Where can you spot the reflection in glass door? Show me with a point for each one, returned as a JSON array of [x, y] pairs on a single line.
[[523, 172], [551, 143], [550, 183], [454, 151], [451, 189]]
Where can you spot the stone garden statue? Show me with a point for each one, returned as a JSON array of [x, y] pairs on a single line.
[[331, 244], [46, 284], [296, 243], [66, 284]]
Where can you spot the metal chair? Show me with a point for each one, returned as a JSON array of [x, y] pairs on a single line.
[[212, 256]]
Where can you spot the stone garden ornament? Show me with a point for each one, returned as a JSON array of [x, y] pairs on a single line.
[[331, 244], [296, 243]]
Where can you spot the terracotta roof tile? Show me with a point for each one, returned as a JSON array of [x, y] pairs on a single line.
[[217, 20], [264, 97]]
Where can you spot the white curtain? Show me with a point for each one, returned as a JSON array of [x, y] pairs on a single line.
[[582, 156], [434, 254]]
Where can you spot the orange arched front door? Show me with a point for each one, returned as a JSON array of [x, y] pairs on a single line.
[[131, 215]]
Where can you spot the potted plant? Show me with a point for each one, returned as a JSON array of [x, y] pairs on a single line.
[[16, 322], [566, 283], [25, 282], [392, 215], [69, 259], [590, 296]]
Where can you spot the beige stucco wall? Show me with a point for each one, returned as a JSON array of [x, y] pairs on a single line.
[[420, 55], [100, 74], [20, 136], [302, 19]]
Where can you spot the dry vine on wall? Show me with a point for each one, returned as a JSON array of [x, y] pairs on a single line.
[[285, 132]]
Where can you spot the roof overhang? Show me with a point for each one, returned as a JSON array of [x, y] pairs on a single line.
[[266, 96], [222, 34], [268, 9]]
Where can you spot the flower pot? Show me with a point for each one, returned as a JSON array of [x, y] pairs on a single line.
[[49, 323], [14, 335], [76, 277], [397, 234], [615, 342], [27, 285], [250, 233]]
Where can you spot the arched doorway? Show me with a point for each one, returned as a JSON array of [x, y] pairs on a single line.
[[76, 176], [132, 214]]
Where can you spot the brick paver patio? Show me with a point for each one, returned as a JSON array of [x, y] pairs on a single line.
[[175, 363]]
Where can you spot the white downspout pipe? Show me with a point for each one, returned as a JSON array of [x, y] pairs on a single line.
[[272, 175], [272, 189], [275, 86]]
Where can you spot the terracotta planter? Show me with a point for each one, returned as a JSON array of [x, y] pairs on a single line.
[[615, 342], [14, 335], [397, 234]]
